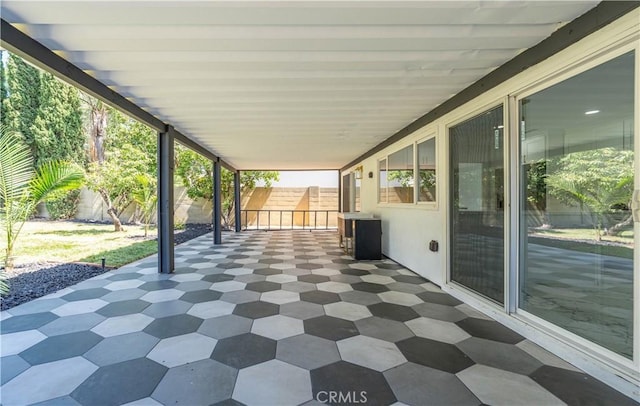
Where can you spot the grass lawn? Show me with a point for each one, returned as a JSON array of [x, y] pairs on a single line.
[[625, 237], [67, 241], [584, 240]]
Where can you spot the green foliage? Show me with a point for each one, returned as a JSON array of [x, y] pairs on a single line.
[[46, 114], [536, 191], [44, 111], [428, 184], [146, 198], [65, 206], [130, 151], [20, 108], [403, 177], [22, 187], [427, 178], [57, 128], [4, 94], [599, 180], [124, 131], [536, 184], [196, 173], [179, 224]]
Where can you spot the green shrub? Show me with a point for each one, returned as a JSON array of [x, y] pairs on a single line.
[[65, 206], [179, 224]]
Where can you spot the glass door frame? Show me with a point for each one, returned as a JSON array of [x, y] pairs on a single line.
[[447, 195], [513, 251]]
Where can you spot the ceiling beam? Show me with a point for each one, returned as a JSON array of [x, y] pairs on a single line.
[[603, 14], [19, 43]]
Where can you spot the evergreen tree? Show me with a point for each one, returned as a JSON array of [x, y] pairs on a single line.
[[46, 114], [20, 108], [3, 87], [57, 127]]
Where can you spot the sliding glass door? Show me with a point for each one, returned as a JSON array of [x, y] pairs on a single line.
[[576, 228], [476, 149]]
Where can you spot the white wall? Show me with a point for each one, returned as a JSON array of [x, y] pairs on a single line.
[[406, 228]]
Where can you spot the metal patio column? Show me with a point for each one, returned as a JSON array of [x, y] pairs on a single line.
[[237, 201], [217, 203], [165, 200]]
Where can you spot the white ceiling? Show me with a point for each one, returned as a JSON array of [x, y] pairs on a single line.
[[295, 84]]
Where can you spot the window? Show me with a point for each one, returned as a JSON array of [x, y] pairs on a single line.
[[400, 176], [427, 170], [382, 179], [409, 175]]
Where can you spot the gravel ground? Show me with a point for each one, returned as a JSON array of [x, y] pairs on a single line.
[[35, 280]]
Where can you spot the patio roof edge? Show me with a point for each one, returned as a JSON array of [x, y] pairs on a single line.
[[603, 14]]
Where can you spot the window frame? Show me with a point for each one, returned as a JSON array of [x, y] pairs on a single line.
[[417, 170], [413, 177], [416, 203], [567, 72], [386, 171]]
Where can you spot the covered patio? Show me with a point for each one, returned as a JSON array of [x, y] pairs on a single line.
[[282, 318], [273, 318]]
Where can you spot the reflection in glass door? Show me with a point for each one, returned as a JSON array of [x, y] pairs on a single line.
[[576, 228], [477, 204]]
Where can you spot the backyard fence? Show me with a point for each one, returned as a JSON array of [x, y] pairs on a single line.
[[289, 219]]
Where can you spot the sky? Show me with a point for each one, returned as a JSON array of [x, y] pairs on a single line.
[[307, 178]]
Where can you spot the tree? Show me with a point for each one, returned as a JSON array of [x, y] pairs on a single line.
[[20, 108], [536, 189], [57, 127], [22, 187], [196, 173], [96, 124], [4, 94], [146, 198], [130, 150], [58, 135], [427, 178], [46, 113], [601, 180]]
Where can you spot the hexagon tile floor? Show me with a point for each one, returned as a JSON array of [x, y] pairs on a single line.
[[279, 318]]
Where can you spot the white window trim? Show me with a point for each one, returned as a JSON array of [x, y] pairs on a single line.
[[608, 357], [386, 170], [432, 204], [415, 204]]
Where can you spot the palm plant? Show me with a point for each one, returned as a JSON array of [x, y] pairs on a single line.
[[22, 187], [600, 189], [146, 198]]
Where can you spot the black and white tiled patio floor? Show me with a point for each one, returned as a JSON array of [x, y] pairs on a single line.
[[280, 318]]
